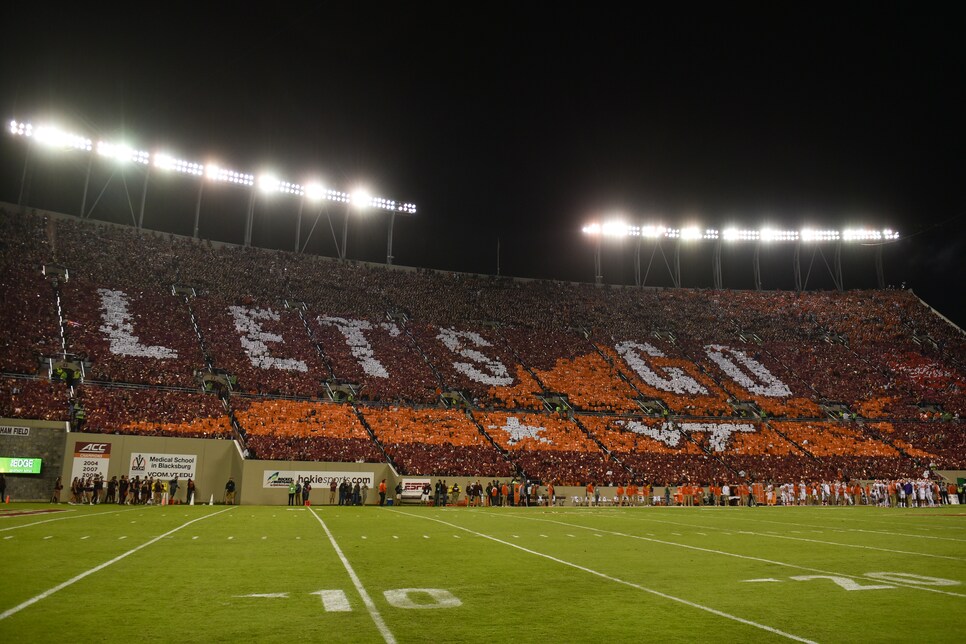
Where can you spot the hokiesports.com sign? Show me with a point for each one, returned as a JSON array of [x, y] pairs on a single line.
[[281, 478], [163, 466]]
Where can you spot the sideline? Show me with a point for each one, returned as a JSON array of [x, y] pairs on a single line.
[[48, 593], [846, 529], [624, 582], [366, 599], [782, 536], [76, 516], [722, 552]]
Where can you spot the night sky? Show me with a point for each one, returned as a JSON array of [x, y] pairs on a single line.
[[521, 122]]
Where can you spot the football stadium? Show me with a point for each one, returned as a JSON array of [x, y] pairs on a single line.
[[316, 447], [261, 402]]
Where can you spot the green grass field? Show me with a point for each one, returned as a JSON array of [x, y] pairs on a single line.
[[411, 574]]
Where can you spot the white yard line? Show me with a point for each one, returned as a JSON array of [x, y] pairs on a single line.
[[850, 545], [617, 580], [74, 580], [727, 554], [366, 599], [776, 535], [845, 529]]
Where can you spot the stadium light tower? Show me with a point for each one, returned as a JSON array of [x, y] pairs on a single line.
[[732, 235], [314, 192], [56, 138]]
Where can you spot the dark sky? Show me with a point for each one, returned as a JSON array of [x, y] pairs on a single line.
[[522, 121]]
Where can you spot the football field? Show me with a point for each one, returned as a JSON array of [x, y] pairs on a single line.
[[412, 574]]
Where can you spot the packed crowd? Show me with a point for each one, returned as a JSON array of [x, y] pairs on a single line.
[[151, 412], [407, 336]]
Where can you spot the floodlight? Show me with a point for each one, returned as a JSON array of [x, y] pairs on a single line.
[[21, 129], [653, 231], [314, 191], [335, 195], [216, 173], [614, 228], [591, 229], [122, 153], [690, 233], [810, 235], [53, 137], [770, 234], [290, 188], [361, 198], [168, 162], [861, 234], [268, 183], [739, 234]]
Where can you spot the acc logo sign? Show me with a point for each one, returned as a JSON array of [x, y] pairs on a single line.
[[95, 448], [138, 463]]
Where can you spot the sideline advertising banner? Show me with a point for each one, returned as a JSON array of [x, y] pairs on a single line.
[[163, 466], [413, 488], [90, 459], [19, 465], [281, 478]]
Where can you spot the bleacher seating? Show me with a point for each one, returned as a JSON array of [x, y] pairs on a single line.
[[771, 361]]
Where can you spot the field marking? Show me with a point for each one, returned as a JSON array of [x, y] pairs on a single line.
[[76, 516], [851, 545], [776, 535], [366, 599], [334, 601], [753, 581], [266, 595], [624, 582], [73, 580], [887, 532], [722, 552]]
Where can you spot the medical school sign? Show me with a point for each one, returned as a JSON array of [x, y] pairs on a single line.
[[163, 466]]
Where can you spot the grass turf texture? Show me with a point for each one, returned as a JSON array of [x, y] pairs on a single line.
[[567, 574]]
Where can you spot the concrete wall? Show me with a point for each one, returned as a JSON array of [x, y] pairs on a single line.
[[216, 460], [255, 474], [44, 440]]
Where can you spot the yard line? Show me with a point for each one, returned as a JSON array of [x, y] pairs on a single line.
[[776, 535], [624, 582], [887, 532], [851, 545], [76, 516], [73, 580], [366, 599], [730, 554]]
